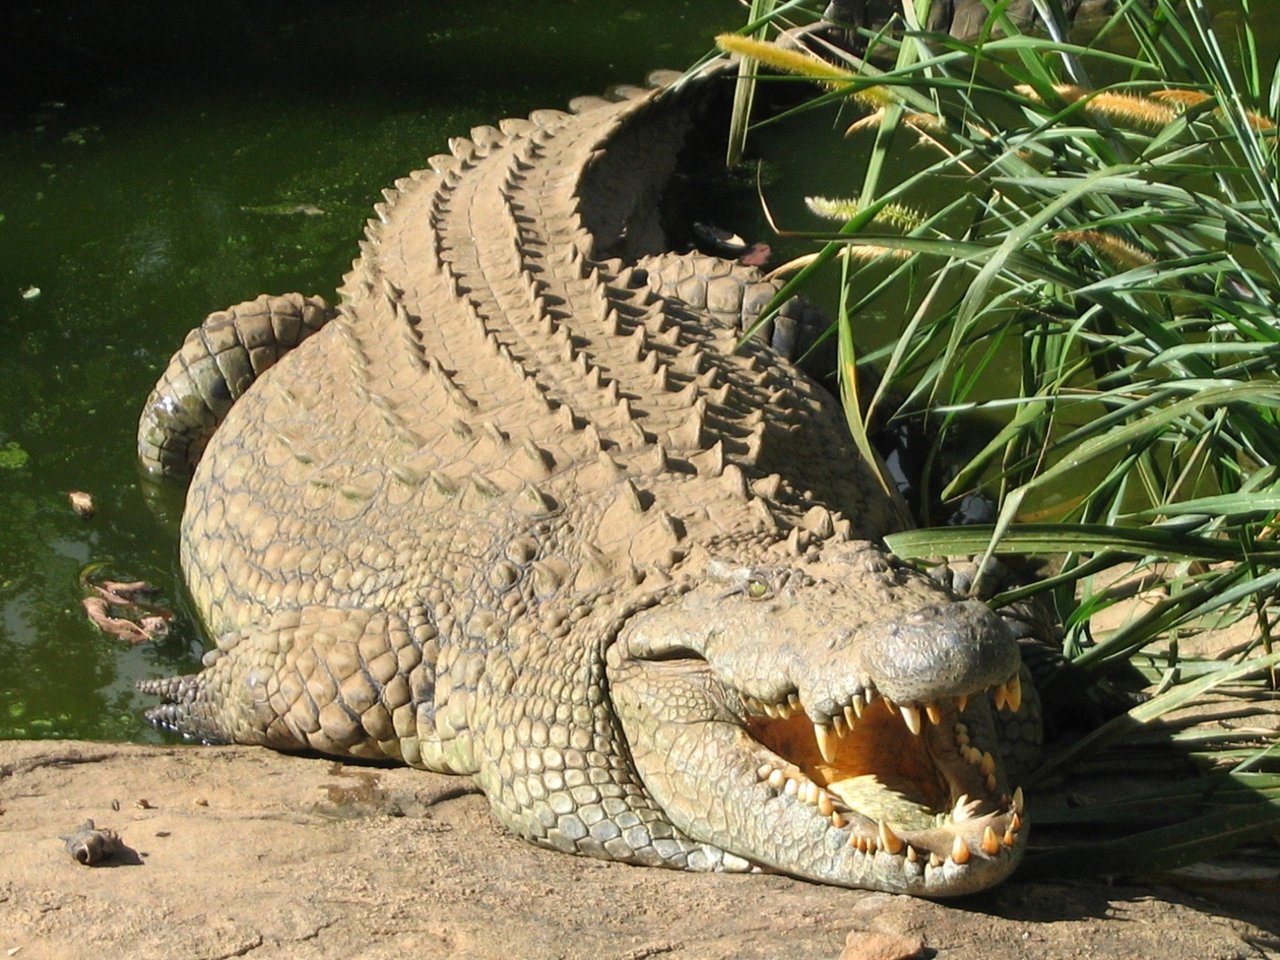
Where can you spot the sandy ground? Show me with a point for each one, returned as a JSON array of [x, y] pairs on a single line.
[[240, 852]]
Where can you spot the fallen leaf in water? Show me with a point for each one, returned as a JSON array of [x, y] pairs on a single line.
[[125, 630]]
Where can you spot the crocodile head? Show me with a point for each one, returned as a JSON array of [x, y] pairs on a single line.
[[832, 719]]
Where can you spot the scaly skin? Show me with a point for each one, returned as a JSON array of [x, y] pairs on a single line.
[[510, 514]]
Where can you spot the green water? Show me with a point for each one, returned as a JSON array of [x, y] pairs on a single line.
[[148, 164], [155, 167]]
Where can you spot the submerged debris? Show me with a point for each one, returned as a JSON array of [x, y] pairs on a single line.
[[82, 503], [133, 620]]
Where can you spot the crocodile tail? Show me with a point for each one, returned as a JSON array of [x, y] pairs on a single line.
[[217, 363]]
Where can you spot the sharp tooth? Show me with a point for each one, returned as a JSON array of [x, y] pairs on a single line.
[[826, 745], [990, 842], [1017, 800], [934, 859], [776, 779], [1001, 696], [825, 806], [987, 765], [889, 840], [912, 856], [911, 717], [960, 852], [887, 702], [991, 782], [1014, 695], [851, 715], [837, 724], [1015, 823], [770, 710], [962, 701], [933, 713], [793, 701], [783, 711], [1009, 838], [869, 696], [837, 819]]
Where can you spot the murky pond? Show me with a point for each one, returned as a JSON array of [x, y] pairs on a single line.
[[154, 167]]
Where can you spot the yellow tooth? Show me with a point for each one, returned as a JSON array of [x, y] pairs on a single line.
[[962, 701], [987, 765], [890, 840], [960, 852], [784, 711], [1009, 837], [934, 859], [1014, 688], [858, 706], [826, 745], [990, 842], [770, 710], [1015, 823], [837, 724], [1001, 696], [933, 713], [837, 819], [793, 701], [850, 717], [825, 806], [912, 856], [1017, 800], [911, 717], [991, 782]]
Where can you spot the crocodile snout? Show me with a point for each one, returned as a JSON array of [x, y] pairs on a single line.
[[939, 650]]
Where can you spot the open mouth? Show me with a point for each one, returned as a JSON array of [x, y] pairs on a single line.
[[915, 781]]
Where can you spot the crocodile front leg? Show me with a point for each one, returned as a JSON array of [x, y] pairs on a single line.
[[217, 362], [344, 682]]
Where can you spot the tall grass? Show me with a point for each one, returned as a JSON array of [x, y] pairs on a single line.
[[1091, 275]]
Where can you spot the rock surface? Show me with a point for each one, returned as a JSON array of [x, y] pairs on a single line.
[[243, 852]]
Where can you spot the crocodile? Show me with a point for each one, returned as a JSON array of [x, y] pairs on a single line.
[[523, 508]]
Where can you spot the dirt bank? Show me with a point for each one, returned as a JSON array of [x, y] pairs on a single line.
[[242, 852]]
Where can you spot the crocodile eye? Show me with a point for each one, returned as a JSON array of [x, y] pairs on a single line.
[[757, 589]]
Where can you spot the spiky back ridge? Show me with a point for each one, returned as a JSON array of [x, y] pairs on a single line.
[[493, 388]]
